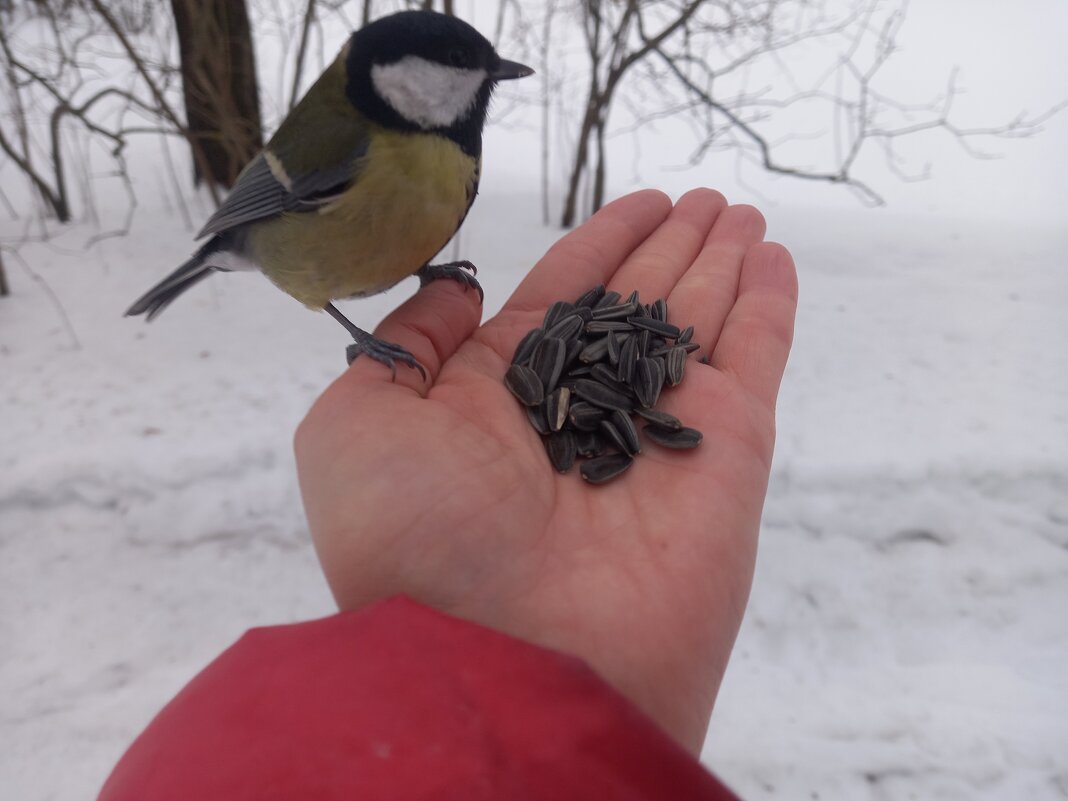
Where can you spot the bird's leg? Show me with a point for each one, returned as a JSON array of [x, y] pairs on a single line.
[[381, 351], [461, 271]]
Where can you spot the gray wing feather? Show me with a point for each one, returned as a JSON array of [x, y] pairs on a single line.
[[258, 195]]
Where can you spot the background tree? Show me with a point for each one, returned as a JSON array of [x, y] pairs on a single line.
[[219, 86], [727, 67]]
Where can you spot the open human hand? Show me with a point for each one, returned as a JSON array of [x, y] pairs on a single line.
[[442, 491]]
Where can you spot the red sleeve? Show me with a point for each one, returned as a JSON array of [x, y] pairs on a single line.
[[395, 703]]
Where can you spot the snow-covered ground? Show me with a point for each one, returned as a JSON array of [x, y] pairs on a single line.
[[906, 636]]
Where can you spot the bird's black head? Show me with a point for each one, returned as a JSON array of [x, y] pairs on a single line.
[[424, 71]]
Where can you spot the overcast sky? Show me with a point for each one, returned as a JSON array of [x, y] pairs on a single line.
[[1011, 59]]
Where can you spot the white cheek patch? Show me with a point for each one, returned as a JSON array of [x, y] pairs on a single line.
[[425, 93]]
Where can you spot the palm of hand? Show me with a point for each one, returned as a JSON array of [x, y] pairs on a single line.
[[449, 496]]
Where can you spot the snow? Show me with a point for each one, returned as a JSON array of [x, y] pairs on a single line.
[[906, 634]]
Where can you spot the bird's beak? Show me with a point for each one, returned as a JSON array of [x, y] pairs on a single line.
[[509, 70]]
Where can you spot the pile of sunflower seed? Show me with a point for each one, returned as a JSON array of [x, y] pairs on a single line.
[[592, 368]]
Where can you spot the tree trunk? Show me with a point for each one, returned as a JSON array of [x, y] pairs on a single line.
[[222, 103], [582, 152]]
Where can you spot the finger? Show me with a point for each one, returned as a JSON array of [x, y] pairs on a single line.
[[592, 253], [663, 258], [431, 325], [759, 330], [706, 292]]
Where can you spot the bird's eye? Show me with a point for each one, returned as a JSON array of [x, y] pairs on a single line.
[[458, 57]]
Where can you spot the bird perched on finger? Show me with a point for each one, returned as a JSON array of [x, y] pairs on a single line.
[[366, 179]]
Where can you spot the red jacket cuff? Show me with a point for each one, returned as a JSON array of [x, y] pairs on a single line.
[[398, 701]]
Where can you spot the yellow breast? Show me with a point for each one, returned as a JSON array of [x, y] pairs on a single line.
[[410, 195]]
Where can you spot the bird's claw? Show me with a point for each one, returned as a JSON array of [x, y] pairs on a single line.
[[384, 352], [463, 272]]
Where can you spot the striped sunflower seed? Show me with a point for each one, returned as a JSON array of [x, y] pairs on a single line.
[[609, 298], [547, 361], [600, 395], [621, 312], [604, 468], [675, 365], [604, 326], [574, 348], [589, 444], [660, 419], [555, 312], [634, 298], [685, 336], [645, 340], [537, 418], [628, 357], [660, 327], [648, 381], [629, 434], [681, 439], [589, 298], [562, 450], [612, 437], [612, 342], [556, 408], [585, 416], [658, 311], [596, 350], [566, 327], [526, 346], [607, 376], [524, 384]]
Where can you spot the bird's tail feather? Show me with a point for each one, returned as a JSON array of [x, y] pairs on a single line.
[[159, 297]]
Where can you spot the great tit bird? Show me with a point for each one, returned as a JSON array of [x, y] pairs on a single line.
[[366, 179]]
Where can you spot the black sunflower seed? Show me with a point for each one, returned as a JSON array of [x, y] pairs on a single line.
[[562, 450], [625, 426], [685, 336], [620, 312], [524, 384], [609, 298], [612, 436], [675, 365], [683, 438], [628, 357], [660, 327], [536, 416], [600, 395], [556, 408], [690, 347], [555, 312], [590, 297], [604, 326], [548, 361], [658, 311], [605, 468], [585, 416], [607, 376], [589, 443], [612, 342], [634, 298], [660, 419], [526, 346], [574, 348], [648, 381], [596, 350], [566, 327], [645, 339]]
